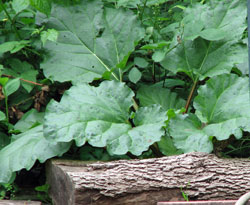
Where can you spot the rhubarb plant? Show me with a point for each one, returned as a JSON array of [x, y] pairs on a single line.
[[131, 78]]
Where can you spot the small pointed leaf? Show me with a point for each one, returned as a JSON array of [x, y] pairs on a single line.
[[11, 86], [134, 75], [2, 116]]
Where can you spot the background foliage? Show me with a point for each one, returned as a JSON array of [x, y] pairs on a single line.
[[112, 79]]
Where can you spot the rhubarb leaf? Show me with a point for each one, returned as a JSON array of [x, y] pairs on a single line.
[[92, 39], [101, 117]]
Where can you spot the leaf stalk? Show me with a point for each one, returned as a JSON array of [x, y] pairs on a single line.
[[135, 105], [6, 104], [27, 81], [190, 96]]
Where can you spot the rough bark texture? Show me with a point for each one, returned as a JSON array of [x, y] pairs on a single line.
[[228, 202], [201, 176], [11, 202]]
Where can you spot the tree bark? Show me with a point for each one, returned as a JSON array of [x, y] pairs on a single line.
[[200, 176], [14, 202]]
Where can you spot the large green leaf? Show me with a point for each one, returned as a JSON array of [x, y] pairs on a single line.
[[224, 104], [100, 115], [25, 149], [188, 135], [92, 39], [209, 50], [222, 109], [149, 95], [216, 20]]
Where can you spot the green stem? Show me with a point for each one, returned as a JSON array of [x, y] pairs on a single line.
[[24, 101], [155, 24], [153, 72], [131, 156], [120, 74], [6, 105], [11, 20], [171, 49], [237, 149], [164, 80], [143, 8], [155, 149], [135, 105], [195, 81], [32, 51], [189, 68], [27, 81]]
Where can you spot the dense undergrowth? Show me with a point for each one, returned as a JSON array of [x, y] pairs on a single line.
[[112, 79]]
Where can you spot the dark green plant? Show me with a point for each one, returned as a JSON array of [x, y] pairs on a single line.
[[8, 190], [42, 193]]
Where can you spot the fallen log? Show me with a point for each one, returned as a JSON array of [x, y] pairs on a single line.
[[226, 202], [14, 202], [200, 176]]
